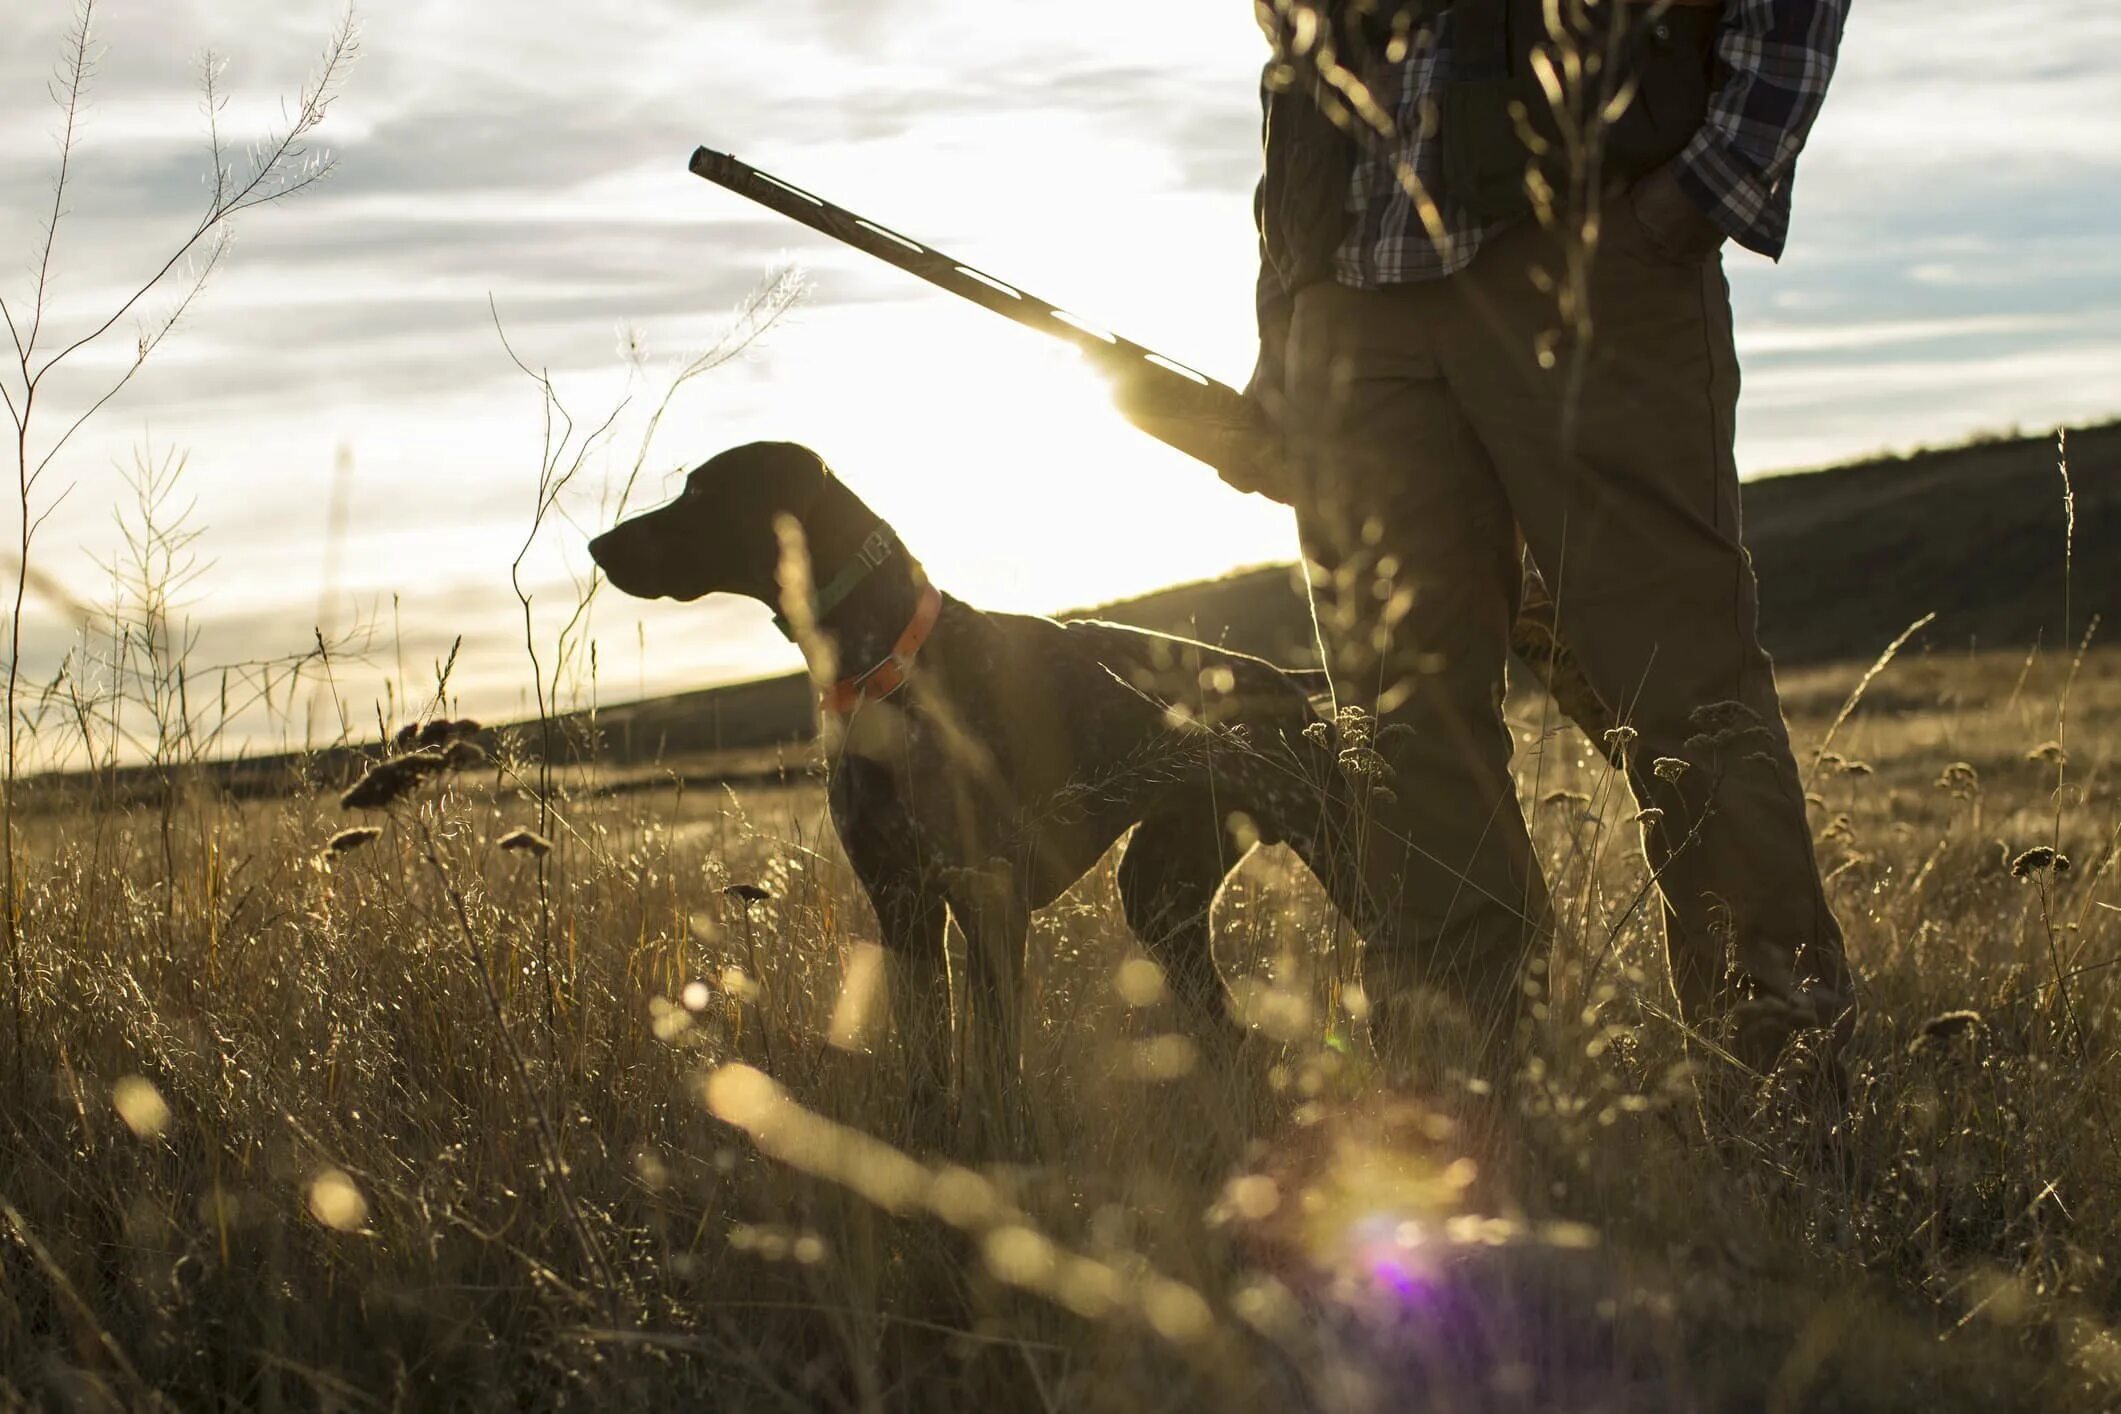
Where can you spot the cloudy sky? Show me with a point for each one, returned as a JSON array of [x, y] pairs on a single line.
[[1953, 269]]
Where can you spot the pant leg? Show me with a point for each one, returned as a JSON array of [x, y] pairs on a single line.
[[1617, 458], [1415, 573]]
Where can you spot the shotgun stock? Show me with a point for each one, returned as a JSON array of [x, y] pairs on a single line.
[[1208, 421]]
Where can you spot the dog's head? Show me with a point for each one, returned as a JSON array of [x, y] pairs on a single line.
[[718, 536]]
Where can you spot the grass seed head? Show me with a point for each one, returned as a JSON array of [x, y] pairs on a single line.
[[524, 840], [394, 777], [1943, 1028], [440, 731], [391, 779], [1951, 1023], [347, 841]]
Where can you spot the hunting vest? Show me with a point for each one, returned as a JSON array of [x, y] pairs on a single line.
[[1493, 110]]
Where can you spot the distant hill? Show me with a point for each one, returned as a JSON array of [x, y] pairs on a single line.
[[1847, 558]]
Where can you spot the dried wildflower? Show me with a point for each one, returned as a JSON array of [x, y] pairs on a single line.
[[524, 840], [346, 841], [460, 755], [2049, 753], [746, 894], [1721, 723], [1960, 780], [1621, 738], [1353, 724], [1668, 768], [2039, 859], [1359, 759], [1944, 1027], [1318, 734], [1856, 768]]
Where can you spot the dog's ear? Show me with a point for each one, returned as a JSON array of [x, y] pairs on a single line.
[[802, 475]]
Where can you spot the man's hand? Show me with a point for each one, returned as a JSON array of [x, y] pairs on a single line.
[[1233, 435], [1668, 216]]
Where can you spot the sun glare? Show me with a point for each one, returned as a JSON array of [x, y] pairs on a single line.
[[999, 457]]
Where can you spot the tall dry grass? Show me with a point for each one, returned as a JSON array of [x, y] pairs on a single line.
[[291, 1127]]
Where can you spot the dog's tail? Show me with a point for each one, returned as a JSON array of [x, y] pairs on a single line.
[[1311, 680]]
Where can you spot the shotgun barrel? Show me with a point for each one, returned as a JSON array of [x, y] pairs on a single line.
[[1207, 420]]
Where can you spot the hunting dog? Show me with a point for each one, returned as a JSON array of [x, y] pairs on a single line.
[[981, 763]]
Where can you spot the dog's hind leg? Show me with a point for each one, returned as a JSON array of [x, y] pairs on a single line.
[[1174, 865]]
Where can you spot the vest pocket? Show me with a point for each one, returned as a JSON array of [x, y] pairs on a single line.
[[1485, 162], [1671, 58]]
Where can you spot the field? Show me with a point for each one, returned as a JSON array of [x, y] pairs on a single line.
[[434, 1122]]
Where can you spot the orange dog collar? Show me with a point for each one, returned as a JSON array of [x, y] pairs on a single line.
[[879, 682]]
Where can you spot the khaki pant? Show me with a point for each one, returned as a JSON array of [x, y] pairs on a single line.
[[1433, 444]]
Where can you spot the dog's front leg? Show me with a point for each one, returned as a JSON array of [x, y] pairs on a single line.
[[991, 909], [911, 919]]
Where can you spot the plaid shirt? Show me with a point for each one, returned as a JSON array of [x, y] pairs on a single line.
[[1775, 58]]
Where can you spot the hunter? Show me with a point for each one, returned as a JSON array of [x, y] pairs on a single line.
[[1496, 336]]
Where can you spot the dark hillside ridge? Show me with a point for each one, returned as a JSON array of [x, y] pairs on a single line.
[[1847, 559]]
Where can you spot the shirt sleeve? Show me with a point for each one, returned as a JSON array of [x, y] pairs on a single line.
[[1776, 57], [1273, 304]]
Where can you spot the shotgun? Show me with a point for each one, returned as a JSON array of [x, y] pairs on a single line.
[[1208, 421]]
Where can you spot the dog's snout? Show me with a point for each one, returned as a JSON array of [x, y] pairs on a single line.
[[628, 559]]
